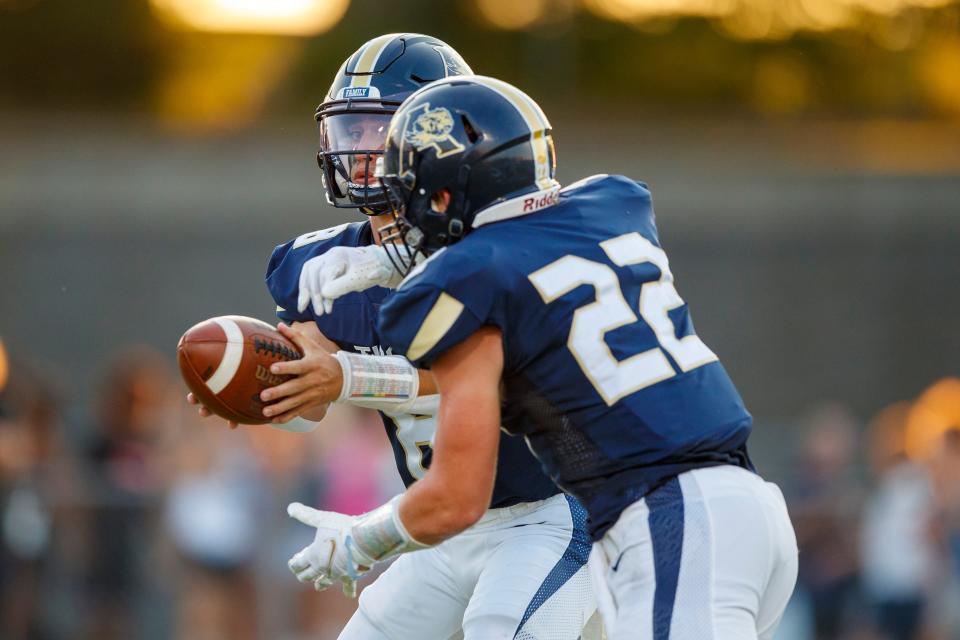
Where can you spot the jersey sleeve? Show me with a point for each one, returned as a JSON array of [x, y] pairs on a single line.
[[443, 306], [283, 277], [287, 260]]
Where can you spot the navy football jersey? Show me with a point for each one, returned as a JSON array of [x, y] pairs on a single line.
[[603, 372], [352, 326]]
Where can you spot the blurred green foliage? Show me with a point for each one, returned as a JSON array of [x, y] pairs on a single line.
[[111, 54]]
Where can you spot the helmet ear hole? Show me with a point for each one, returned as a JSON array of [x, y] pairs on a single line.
[[468, 128], [440, 200]]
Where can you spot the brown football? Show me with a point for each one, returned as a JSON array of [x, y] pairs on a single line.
[[225, 362]]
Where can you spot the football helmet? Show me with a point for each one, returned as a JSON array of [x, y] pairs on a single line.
[[354, 116], [485, 141]]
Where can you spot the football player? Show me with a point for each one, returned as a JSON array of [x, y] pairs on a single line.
[[561, 304], [520, 569]]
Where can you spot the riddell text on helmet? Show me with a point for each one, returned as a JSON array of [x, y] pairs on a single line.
[[545, 200]]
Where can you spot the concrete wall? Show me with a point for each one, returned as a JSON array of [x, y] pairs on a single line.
[[815, 269]]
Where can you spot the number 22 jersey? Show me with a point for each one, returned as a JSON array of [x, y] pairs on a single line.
[[603, 371], [352, 326]]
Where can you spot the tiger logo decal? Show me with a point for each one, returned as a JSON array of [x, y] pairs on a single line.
[[426, 127]]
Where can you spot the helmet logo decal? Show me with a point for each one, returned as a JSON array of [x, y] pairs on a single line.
[[453, 65], [362, 93], [426, 127]]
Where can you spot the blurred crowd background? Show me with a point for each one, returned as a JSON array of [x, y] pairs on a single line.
[[804, 156]]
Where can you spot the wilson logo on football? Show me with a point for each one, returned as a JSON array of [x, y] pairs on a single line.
[[263, 374]]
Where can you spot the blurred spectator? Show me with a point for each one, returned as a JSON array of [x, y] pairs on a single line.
[[36, 477], [945, 466], [225, 518], [211, 518], [947, 477], [124, 483], [899, 554], [825, 497], [353, 464]]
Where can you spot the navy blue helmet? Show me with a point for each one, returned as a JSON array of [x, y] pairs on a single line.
[[353, 118], [482, 139]]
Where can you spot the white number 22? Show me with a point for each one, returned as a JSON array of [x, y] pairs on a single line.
[[613, 379]]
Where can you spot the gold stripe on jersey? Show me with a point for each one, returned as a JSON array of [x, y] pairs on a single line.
[[438, 322], [369, 56]]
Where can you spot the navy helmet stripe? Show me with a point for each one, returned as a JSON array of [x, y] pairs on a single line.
[[573, 559], [666, 532]]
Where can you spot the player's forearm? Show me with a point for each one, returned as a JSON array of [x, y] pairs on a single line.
[[428, 386], [456, 491], [433, 510]]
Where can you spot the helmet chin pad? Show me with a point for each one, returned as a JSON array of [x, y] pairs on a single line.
[[403, 244]]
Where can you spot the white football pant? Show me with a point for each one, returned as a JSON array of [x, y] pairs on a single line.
[[710, 555], [520, 572]]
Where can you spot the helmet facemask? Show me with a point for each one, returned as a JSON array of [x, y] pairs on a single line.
[[418, 230], [352, 135], [403, 242]]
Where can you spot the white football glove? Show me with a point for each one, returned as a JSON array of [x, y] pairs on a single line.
[[341, 270], [331, 557]]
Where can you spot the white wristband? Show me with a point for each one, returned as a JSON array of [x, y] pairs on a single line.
[[377, 382], [380, 534]]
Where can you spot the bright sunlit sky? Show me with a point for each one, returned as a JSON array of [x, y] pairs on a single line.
[[286, 17], [749, 19]]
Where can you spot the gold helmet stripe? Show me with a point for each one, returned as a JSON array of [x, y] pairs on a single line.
[[369, 56], [535, 119]]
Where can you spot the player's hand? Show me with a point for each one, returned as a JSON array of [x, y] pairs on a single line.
[[342, 270], [317, 382], [331, 557], [204, 412]]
